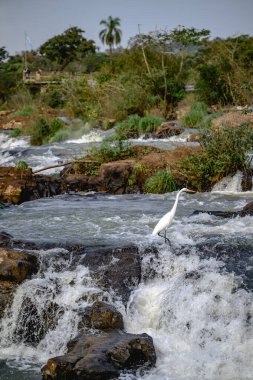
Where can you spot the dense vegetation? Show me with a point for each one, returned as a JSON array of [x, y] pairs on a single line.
[[136, 88]]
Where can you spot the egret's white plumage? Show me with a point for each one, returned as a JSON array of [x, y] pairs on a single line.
[[166, 220]]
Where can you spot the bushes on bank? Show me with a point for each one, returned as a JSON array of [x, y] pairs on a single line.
[[224, 152], [42, 131], [135, 126]]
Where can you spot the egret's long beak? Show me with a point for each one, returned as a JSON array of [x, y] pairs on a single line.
[[190, 191]]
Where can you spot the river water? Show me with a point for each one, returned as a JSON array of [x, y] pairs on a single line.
[[198, 305]]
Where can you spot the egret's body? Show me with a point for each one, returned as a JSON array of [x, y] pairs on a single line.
[[167, 219]]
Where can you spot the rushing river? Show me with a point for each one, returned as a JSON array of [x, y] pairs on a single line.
[[197, 308]]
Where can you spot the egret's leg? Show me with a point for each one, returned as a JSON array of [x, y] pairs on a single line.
[[165, 237]]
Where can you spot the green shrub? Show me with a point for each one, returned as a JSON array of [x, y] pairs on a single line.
[[195, 116], [22, 165], [224, 152], [39, 132], [16, 132], [55, 125], [135, 126], [161, 182], [138, 175], [111, 152], [53, 97], [128, 128], [25, 111]]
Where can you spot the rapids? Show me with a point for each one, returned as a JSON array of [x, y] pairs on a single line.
[[194, 299]]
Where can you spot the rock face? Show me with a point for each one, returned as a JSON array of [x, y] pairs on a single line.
[[19, 185], [15, 267], [166, 130], [118, 269], [101, 356]]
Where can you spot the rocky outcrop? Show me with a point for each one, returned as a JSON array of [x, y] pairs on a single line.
[[20, 185], [114, 176], [15, 267], [101, 356]]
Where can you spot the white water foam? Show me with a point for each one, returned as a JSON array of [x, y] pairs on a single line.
[[93, 136], [198, 322]]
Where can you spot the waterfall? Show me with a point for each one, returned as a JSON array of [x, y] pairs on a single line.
[[231, 184]]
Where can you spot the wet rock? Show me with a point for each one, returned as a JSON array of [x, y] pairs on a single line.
[[33, 323], [101, 316], [114, 176], [101, 356], [15, 267], [247, 210], [117, 269], [20, 185]]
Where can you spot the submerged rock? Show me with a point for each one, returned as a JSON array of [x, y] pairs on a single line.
[[101, 356]]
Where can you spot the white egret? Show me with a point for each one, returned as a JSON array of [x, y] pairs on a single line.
[[166, 220]]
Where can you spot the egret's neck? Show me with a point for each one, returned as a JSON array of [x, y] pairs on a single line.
[[176, 201]]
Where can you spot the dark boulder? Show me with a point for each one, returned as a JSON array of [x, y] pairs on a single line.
[[101, 356], [101, 316], [118, 269], [247, 210]]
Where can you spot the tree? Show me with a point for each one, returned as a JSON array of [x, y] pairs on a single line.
[[111, 34], [226, 70], [68, 46], [166, 56], [3, 54]]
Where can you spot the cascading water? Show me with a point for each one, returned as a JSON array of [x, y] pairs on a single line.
[[194, 299]]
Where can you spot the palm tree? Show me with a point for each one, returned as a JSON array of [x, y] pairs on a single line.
[[111, 35]]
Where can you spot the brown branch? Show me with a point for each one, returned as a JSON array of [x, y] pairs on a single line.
[[65, 164]]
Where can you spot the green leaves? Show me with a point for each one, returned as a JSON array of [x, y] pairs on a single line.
[[66, 47]]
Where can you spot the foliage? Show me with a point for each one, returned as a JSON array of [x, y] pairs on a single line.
[[138, 175], [22, 165], [224, 152], [168, 72], [3, 53], [25, 111], [195, 116], [108, 152], [111, 34], [135, 126], [16, 132], [53, 97], [225, 71], [67, 47], [42, 132], [161, 182]]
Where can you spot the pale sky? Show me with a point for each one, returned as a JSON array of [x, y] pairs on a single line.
[[43, 19]]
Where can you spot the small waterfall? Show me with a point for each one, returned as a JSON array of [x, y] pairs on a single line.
[[231, 184], [44, 314]]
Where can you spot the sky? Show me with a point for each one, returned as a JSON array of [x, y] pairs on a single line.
[[43, 19]]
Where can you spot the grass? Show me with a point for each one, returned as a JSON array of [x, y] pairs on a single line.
[[161, 182], [196, 115], [135, 126]]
